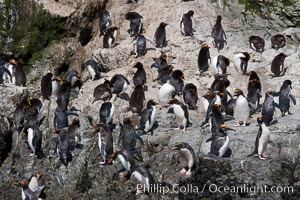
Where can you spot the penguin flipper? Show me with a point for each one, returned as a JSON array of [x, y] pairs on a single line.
[[139, 138], [292, 98], [209, 140], [68, 113], [276, 105]]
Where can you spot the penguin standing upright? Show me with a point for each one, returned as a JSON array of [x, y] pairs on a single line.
[[105, 143], [188, 155], [160, 38], [74, 133], [136, 23], [139, 77], [148, 117], [218, 34], [106, 112], [8, 71], [278, 41], [165, 94], [55, 85], [20, 75], [128, 136], [186, 23], [254, 89], [110, 36], [219, 142], [277, 66], [240, 61], [141, 46], [137, 99], [285, 97], [105, 19], [268, 108], [257, 43], [3, 72], [262, 140], [203, 58], [46, 86], [220, 64], [177, 80], [190, 96], [63, 148], [241, 108], [34, 139], [181, 114]]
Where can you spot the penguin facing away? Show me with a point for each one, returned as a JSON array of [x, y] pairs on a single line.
[[190, 96], [268, 108], [218, 34], [177, 80], [262, 140], [277, 65], [160, 36], [105, 143], [63, 148], [139, 77], [186, 24], [137, 99], [188, 155], [46, 86], [136, 23], [105, 20]]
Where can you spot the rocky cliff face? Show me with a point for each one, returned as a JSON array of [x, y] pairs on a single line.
[[61, 35]]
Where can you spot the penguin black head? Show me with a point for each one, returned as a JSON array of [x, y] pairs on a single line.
[[238, 92], [190, 13], [151, 102], [178, 74], [163, 24], [107, 84], [138, 65], [174, 101], [216, 106], [76, 120], [163, 56], [219, 18], [287, 83], [128, 121]]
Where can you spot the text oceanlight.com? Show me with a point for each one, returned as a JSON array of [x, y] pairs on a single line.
[[213, 188]]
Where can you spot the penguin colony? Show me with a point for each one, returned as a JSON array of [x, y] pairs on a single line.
[[175, 94]]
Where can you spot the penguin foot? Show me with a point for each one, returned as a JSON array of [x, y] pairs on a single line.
[[31, 154], [183, 171], [262, 157], [188, 173]]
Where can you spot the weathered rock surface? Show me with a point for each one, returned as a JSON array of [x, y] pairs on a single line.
[[86, 179]]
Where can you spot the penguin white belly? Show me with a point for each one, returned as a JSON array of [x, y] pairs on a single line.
[[189, 157], [112, 110], [179, 113], [224, 148], [125, 86], [218, 100], [101, 145], [30, 139], [141, 179], [237, 62], [33, 184], [23, 195], [153, 117], [263, 140], [11, 70], [55, 86], [205, 104], [147, 126], [91, 71], [241, 109], [125, 163], [182, 25], [165, 93], [216, 68]]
